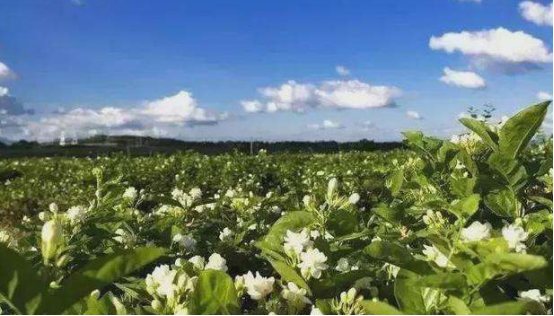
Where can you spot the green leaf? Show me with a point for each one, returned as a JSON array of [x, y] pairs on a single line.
[[482, 129], [379, 308], [395, 254], [450, 281], [19, 283], [215, 293], [515, 262], [466, 207], [395, 182], [408, 294], [518, 131], [512, 308], [95, 275], [503, 202], [457, 306], [289, 274]]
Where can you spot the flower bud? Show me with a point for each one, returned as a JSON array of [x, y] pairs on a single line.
[[95, 294], [53, 207], [52, 239], [157, 305]]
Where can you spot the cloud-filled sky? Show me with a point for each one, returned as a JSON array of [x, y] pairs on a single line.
[[266, 70]]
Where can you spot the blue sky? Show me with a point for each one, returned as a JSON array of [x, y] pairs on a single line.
[[183, 68]]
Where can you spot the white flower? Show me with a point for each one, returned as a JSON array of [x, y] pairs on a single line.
[[198, 262], [476, 232], [195, 193], [354, 198], [297, 242], [515, 236], [295, 295], [4, 237], [226, 234], [130, 193], [306, 200], [313, 263], [216, 262], [534, 295], [160, 282], [433, 254], [315, 311], [343, 265], [187, 242], [76, 214], [258, 287]]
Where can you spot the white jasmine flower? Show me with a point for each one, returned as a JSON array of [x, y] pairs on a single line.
[[331, 187], [306, 200], [476, 232], [315, 311], [130, 193], [296, 242], [76, 214], [216, 262], [187, 242], [160, 282], [198, 262], [226, 234], [354, 198], [433, 254], [515, 236], [343, 265], [312, 263], [195, 193], [258, 287], [295, 295], [534, 295]]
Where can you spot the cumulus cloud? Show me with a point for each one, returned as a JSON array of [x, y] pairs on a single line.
[[543, 96], [536, 12], [327, 124], [338, 94], [150, 118], [3, 91], [462, 79], [179, 108], [252, 106], [502, 48], [343, 71], [413, 115], [5, 72]]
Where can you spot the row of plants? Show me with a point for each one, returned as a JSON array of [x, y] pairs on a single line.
[[459, 226]]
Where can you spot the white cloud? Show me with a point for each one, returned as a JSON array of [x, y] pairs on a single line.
[[343, 71], [4, 91], [543, 96], [151, 118], [327, 124], [339, 94], [5, 71], [413, 115], [252, 106], [179, 108], [495, 47], [463, 79], [536, 12]]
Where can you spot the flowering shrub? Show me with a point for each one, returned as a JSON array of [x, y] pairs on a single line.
[[456, 226]]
